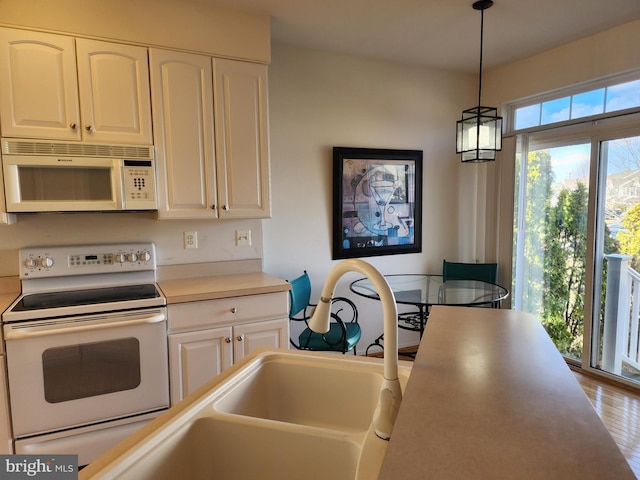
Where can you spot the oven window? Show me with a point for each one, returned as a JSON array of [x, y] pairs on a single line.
[[90, 369], [65, 183]]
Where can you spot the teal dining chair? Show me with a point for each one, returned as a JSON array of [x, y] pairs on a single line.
[[484, 272], [344, 331]]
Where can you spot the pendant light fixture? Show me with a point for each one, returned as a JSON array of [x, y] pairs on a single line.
[[479, 132]]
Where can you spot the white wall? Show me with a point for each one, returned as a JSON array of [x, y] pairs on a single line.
[[191, 25], [319, 100], [606, 53], [216, 239]]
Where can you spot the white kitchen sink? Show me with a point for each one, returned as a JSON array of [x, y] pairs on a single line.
[[339, 395], [281, 415], [221, 448]]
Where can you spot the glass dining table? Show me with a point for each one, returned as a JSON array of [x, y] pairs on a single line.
[[425, 290]]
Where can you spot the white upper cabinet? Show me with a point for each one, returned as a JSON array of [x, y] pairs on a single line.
[[242, 139], [211, 136], [182, 91], [113, 81], [38, 86], [58, 88]]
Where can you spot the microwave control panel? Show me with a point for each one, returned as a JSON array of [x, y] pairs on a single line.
[[139, 185]]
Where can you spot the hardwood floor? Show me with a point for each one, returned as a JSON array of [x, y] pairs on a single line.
[[619, 409]]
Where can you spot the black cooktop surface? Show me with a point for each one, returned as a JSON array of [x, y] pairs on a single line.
[[38, 301]]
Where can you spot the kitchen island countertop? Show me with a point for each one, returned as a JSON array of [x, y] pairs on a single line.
[[490, 397]]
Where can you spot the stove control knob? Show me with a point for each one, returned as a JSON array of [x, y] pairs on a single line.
[[144, 256], [30, 263], [121, 257], [132, 257], [46, 262]]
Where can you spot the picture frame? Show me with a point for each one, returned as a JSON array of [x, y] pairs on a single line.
[[377, 202]]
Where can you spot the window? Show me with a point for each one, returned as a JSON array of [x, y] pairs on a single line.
[[576, 223], [579, 104]]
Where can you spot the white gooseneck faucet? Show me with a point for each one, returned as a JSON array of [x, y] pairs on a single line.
[[390, 392]]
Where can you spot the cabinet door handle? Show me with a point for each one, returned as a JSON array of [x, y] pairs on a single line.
[[88, 128], [240, 338], [228, 340], [213, 207], [225, 207], [233, 310], [73, 125]]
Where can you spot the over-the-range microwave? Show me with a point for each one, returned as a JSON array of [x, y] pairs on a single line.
[[41, 176]]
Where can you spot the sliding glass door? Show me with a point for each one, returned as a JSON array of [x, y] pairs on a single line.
[[550, 239], [576, 250]]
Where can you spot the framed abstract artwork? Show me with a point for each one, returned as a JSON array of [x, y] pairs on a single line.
[[377, 202]]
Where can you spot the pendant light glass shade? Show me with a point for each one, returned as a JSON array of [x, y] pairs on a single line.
[[479, 132]]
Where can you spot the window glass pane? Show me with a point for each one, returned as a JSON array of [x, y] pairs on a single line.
[[625, 95], [587, 103], [619, 93], [526, 117], [556, 110], [617, 320]]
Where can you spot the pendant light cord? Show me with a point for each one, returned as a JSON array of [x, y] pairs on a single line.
[[481, 48]]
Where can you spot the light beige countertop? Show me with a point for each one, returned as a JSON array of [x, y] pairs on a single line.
[[490, 397], [6, 299], [220, 286], [9, 291]]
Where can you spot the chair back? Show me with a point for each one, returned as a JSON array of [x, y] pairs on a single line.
[[485, 272], [300, 294]]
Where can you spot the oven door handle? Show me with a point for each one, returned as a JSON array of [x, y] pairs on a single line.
[[36, 331]]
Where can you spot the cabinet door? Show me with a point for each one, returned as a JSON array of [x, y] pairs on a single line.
[[38, 86], [242, 139], [248, 337], [113, 81], [6, 444], [197, 357], [182, 99]]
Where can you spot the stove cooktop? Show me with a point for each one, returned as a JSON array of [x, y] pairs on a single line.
[[39, 301], [85, 280]]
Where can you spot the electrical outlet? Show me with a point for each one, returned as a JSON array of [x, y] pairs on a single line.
[[243, 238], [190, 239]]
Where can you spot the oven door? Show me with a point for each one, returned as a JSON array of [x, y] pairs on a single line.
[[75, 371]]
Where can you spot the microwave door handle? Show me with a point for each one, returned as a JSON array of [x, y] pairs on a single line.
[[28, 332]]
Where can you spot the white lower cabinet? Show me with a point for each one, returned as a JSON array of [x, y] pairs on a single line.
[[6, 443], [206, 337], [196, 357]]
